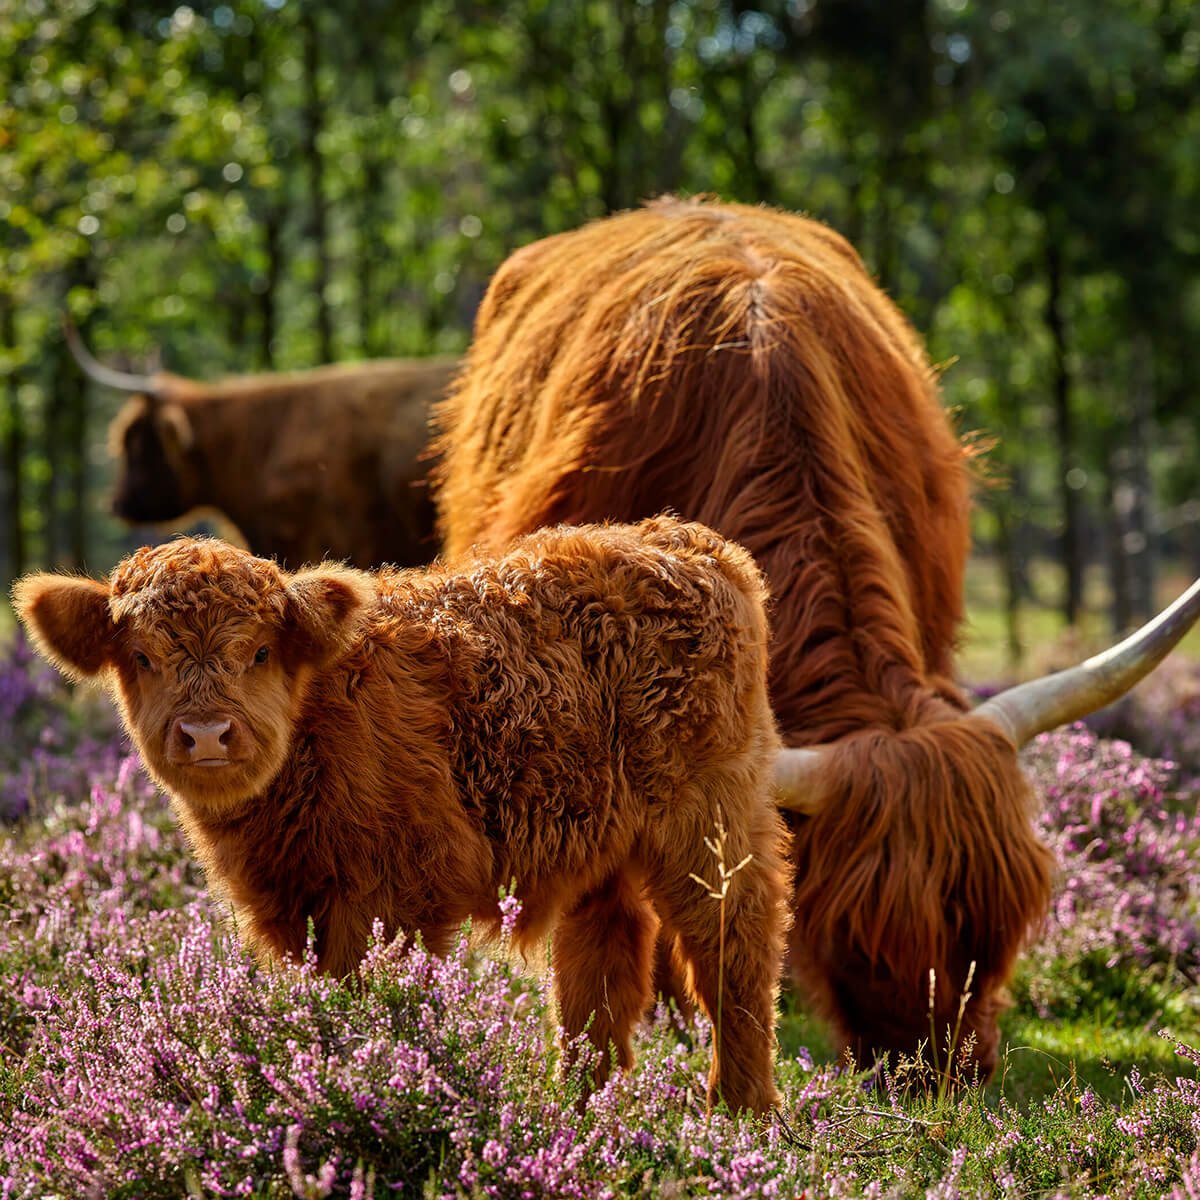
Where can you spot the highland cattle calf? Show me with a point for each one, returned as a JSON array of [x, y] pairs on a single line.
[[576, 715], [739, 366], [328, 461]]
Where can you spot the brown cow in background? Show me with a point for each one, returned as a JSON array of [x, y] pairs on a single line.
[[578, 716], [306, 464], [738, 366]]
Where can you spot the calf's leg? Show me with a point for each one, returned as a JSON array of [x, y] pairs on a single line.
[[735, 973], [603, 952]]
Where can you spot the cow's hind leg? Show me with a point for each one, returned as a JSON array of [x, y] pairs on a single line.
[[735, 948], [603, 959]]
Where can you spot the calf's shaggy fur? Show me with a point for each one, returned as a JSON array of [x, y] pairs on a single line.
[[575, 715]]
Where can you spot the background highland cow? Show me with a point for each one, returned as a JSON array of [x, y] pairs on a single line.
[[306, 464]]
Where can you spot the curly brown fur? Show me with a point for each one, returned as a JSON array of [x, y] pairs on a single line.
[[738, 366], [576, 715], [305, 464]]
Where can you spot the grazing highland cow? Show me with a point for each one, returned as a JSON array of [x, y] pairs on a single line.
[[305, 463], [738, 366], [576, 716]]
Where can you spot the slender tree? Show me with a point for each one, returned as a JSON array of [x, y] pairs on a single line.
[[313, 123], [1071, 553], [14, 441]]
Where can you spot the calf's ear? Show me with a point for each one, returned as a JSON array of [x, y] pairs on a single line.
[[68, 621], [323, 606]]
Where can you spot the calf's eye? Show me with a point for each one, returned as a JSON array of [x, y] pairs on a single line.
[[142, 660], [261, 655]]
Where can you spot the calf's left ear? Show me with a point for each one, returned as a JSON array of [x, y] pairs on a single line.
[[68, 621], [322, 610]]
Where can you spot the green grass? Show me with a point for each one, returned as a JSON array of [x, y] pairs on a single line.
[[799, 1029], [1086, 1050], [1113, 1026]]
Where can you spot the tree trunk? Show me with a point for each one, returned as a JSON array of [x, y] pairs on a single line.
[[762, 186], [236, 311], [73, 391], [1024, 549], [273, 245], [371, 233], [1139, 542], [78, 477], [1071, 551], [1011, 569], [273, 207], [1117, 496], [312, 122], [53, 423], [614, 190], [14, 446], [885, 238], [369, 245]]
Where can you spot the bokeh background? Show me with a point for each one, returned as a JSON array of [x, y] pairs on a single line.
[[269, 184]]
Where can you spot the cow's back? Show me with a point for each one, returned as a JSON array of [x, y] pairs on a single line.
[[343, 462], [738, 366]]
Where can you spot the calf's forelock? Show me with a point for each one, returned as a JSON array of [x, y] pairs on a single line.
[[196, 577]]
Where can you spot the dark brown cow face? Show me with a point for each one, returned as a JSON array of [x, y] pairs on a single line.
[[923, 857], [208, 652], [157, 478], [879, 1017]]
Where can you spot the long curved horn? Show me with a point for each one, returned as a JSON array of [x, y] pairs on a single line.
[[97, 371], [1031, 708], [797, 771]]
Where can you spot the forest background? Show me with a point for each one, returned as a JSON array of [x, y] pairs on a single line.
[[270, 184]]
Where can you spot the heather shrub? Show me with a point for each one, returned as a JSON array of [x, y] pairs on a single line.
[[1160, 717], [196, 1070], [1124, 923], [144, 1054], [72, 881], [55, 738]]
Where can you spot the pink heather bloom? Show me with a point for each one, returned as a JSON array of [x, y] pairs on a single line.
[[510, 910]]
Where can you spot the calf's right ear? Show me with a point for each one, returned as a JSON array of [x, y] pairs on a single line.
[[68, 621], [323, 607]]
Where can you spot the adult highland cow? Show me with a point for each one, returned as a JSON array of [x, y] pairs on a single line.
[[327, 461], [738, 366], [577, 716]]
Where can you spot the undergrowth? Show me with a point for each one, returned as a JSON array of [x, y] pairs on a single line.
[[144, 1054]]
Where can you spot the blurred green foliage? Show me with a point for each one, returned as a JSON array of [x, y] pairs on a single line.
[[262, 184]]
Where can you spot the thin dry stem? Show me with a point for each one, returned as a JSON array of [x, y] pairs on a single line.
[[718, 892]]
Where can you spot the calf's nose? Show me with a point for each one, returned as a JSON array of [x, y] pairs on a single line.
[[204, 739]]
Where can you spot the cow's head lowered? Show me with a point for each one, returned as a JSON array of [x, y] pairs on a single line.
[[910, 912], [207, 651]]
